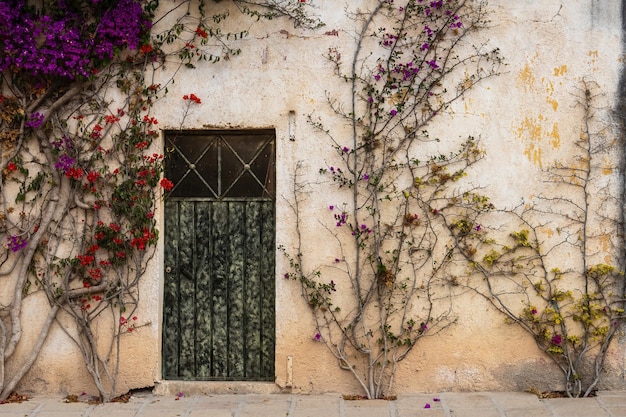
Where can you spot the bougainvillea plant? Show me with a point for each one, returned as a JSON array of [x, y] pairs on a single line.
[[412, 61], [548, 275], [81, 167]]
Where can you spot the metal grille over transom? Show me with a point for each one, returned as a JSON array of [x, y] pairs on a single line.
[[222, 164], [218, 314]]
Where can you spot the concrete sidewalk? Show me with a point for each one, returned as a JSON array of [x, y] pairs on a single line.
[[489, 404]]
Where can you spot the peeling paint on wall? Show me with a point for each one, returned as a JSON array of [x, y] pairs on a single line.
[[526, 78]]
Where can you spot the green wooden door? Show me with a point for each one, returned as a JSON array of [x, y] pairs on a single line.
[[218, 312]]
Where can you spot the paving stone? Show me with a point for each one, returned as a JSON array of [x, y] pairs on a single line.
[[475, 412], [427, 412], [318, 402], [19, 409], [366, 404], [606, 404], [367, 412], [613, 400], [468, 400], [56, 405], [214, 405], [315, 412], [366, 408], [575, 407], [617, 411], [528, 412], [418, 401], [414, 406], [507, 400], [209, 413], [118, 413], [169, 408], [264, 411], [59, 413]]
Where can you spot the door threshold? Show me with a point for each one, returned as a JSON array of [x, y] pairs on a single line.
[[214, 387]]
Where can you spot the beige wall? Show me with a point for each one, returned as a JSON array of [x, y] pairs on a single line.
[[526, 118]]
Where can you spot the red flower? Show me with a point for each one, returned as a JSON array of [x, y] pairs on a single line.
[[192, 97], [85, 259], [111, 119], [150, 120], [146, 48], [167, 184], [201, 32], [11, 166], [95, 274], [76, 173], [93, 176]]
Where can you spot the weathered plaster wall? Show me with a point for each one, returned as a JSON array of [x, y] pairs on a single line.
[[526, 118]]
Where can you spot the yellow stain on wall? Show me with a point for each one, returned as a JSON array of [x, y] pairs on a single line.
[[553, 103], [555, 137], [559, 71], [548, 231], [467, 103], [550, 90], [526, 78], [605, 243], [537, 131], [593, 55], [608, 167], [533, 153], [530, 129]]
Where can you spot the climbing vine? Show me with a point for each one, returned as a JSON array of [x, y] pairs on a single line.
[[566, 287], [412, 61], [81, 169]]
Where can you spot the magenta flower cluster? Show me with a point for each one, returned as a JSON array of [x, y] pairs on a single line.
[[34, 120], [15, 243], [67, 41]]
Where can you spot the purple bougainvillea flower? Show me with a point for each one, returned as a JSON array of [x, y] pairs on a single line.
[[15, 243]]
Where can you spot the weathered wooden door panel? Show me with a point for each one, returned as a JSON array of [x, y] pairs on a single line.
[[218, 315]]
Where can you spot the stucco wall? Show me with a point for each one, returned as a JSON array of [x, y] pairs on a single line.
[[526, 118]]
